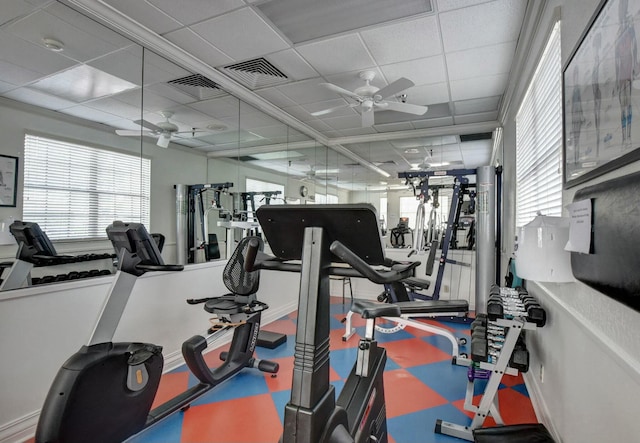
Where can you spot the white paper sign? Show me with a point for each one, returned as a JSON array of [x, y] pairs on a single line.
[[579, 227]]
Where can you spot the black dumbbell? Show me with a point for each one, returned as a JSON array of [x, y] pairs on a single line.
[[537, 315], [479, 351], [495, 311], [520, 359]]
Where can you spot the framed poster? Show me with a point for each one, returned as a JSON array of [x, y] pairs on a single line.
[[601, 94], [8, 180]]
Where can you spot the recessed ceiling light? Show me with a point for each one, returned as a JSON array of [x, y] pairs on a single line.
[[411, 151], [53, 44]]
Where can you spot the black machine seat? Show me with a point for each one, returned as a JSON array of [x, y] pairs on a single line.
[[371, 309], [525, 433], [413, 308], [417, 283]]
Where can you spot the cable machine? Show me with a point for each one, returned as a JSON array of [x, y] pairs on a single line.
[[487, 258]]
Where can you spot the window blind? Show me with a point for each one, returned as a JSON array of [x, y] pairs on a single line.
[[74, 192], [539, 139]]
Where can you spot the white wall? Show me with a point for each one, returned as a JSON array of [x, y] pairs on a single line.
[[42, 326], [584, 376]]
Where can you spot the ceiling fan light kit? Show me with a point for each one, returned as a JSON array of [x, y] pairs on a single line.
[[369, 97]]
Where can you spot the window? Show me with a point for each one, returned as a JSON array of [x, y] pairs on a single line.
[[539, 139], [75, 192], [326, 199], [252, 185]]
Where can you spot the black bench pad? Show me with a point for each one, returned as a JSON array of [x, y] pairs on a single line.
[[374, 309], [526, 433], [432, 306], [415, 282]]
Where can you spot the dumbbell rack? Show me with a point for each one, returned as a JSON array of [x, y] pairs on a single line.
[[512, 311]]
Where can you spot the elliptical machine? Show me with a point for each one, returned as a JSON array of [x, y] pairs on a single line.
[[104, 392]]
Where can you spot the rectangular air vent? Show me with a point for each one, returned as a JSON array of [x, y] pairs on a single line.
[[257, 73], [198, 86], [474, 137]]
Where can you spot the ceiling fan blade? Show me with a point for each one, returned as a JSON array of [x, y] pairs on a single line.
[[163, 140], [148, 125], [134, 133], [393, 88], [329, 110], [340, 90], [404, 107], [367, 118]]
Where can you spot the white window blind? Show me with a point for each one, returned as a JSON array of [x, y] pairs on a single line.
[[539, 139], [75, 192]]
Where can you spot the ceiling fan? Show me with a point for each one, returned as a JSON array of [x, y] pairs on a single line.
[[369, 97], [163, 131]]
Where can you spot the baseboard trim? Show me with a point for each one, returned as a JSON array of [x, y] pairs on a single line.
[[20, 429]]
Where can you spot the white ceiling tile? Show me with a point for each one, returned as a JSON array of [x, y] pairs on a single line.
[[223, 33], [341, 54], [146, 14], [478, 87], [17, 75], [449, 5], [271, 132], [26, 55], [115, 107], [276, 97], [404, 41], [345, 122], [319, 106], [351, 80], [78, 45], [357, 131], [292, 64], [476, 105], [389, 127], [152, 102], [171, 92], [85, 24], [187, 117], [476, 118], [432, 123], [219, 107], [428, 94], [88, 113], [306, 91], [486, 24], [198, 47], [4, 86], [319, 125], [300, 113], [37, 98], [422, 71], [12, 9], [158, 68], [196, 10], [488, 60], [122, 64]]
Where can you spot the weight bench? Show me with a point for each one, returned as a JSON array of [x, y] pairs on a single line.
[[410, 311]]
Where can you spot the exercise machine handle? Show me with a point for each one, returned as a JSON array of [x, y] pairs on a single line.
[[252, 253], [397, 272]]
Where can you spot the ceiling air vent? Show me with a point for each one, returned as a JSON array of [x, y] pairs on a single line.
[[474, 137], [257, 73], [198, 86]]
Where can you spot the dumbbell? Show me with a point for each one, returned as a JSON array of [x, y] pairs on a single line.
[[73, 275], [536, 314], [479, 351], [61, 277], [105, 272], [495, 310], [520, 358]]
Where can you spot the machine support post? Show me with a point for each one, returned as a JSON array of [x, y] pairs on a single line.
[[182, 203], [485, 235]]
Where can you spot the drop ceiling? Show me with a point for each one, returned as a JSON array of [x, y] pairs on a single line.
[[274, 55]]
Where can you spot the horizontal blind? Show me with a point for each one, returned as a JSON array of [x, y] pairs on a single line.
[[539, 139], [75, 192]]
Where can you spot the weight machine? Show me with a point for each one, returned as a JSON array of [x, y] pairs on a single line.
[[189, 202], [483, 195]]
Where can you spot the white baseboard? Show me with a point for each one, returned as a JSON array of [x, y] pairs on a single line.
[[20, 429], [539, 405]]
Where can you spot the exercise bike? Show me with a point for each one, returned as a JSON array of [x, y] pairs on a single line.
[[318, 236], [104, 392]]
